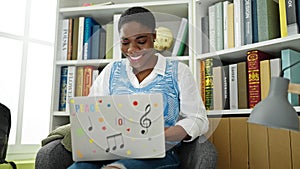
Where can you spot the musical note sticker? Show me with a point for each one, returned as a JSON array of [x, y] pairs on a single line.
[[90, 128], [145, 122], [112, 142]]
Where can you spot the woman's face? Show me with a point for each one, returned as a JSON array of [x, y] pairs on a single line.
[[137, 44]]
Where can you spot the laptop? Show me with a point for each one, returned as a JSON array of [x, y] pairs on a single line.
[[117, 127]]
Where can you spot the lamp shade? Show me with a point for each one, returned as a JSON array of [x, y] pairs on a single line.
[[276, 111]]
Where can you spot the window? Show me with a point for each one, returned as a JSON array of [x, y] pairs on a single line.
[[27, 33]]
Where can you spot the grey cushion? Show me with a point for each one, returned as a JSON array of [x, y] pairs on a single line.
[[199, 154]]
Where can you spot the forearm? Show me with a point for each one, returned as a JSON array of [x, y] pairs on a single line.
[[175, 133]]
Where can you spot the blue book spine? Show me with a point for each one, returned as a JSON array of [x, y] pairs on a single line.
[[102, 43], [87, 40], [298, 13], [95, 41], [63, 88], [288, 57], [254, 21]]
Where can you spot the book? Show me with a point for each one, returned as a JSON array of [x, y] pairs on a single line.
[[248, 35], [217, 78], [181, 38], [116, 37], [71, 81], [102, 47], [242, 85], [268, 20], [275, 67], [80, 38], [225, 24], [209, 64], [109, 41], [202, 80], [89, 22], [238, 23], [253, 71], [204, 34], [64, 39], [212, 27], [87, 79], [254, 21], [291, 17], [288, 57], [282, 18], [233, 86], [219, 30], [298, 12], [230, 20], [70, 39], [265, 76], [225, 87], [63, 88], [79, 81], [75, 38], [95, 42]]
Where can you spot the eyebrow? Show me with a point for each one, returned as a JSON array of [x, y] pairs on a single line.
[[139, 37]]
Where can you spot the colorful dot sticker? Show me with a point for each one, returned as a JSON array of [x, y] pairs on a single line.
[[79, 132], [79, 154], [100, 101], [72, 101], [101, 119], [104, 128], [155, 105], [128, 152], [120, 105], [91, 141], [108, 105], [135, 103]]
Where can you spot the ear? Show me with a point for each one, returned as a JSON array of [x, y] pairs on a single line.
[[154, 36]]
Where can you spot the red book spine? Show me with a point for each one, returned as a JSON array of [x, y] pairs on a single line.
[[253, 67], [87, 79]]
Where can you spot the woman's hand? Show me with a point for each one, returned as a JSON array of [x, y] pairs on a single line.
[[176, 133]]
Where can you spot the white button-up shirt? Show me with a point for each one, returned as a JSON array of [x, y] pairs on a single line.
[[192, 111]]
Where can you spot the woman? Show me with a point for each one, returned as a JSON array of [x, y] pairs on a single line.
[[145, 71]]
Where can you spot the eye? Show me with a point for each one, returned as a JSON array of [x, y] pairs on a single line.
[[142, 42], [124, 42]]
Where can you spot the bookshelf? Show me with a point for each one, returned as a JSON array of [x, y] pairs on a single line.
[[235, 54], [105, 14]]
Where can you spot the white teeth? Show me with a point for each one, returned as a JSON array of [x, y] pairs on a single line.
[[135, 58]]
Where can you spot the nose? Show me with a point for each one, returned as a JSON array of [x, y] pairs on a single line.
[[133, 48]]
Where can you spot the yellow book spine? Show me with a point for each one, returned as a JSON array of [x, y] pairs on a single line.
[[282, 17], [230, 12]]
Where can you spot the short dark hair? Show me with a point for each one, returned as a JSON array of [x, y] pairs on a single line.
[[138, 14]]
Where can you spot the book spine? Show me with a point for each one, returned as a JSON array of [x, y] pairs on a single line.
[[254, 21], [80, 38], [291, 17], [230, 17], [64, 39], [217, 88], [116, 38], [282, 17], [179, 41], [242, 85], [95, 42], [208, 84], [225, 87], [275, 66], [102, 47], [212, 26], [79, 81], [75, 38], [204, 34], [63, 88], [70, 84], [253, 71], [87, 79], [219, 26], [70, 39], [109, 41], [225, 24], [233, 85], [238, 23], [265, 78], [87, 37], [247, 22], [202, 74], [288, 57]]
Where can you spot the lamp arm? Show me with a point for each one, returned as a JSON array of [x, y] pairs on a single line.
[[282, 71]]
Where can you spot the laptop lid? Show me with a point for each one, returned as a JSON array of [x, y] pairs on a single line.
[[117, 126]]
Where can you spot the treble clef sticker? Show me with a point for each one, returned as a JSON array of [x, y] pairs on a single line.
[[145, 122]]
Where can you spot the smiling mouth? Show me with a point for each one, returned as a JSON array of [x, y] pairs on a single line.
[[135, 58]]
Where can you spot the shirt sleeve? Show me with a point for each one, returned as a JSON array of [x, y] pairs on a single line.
[[192, 110], [100, 87]]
